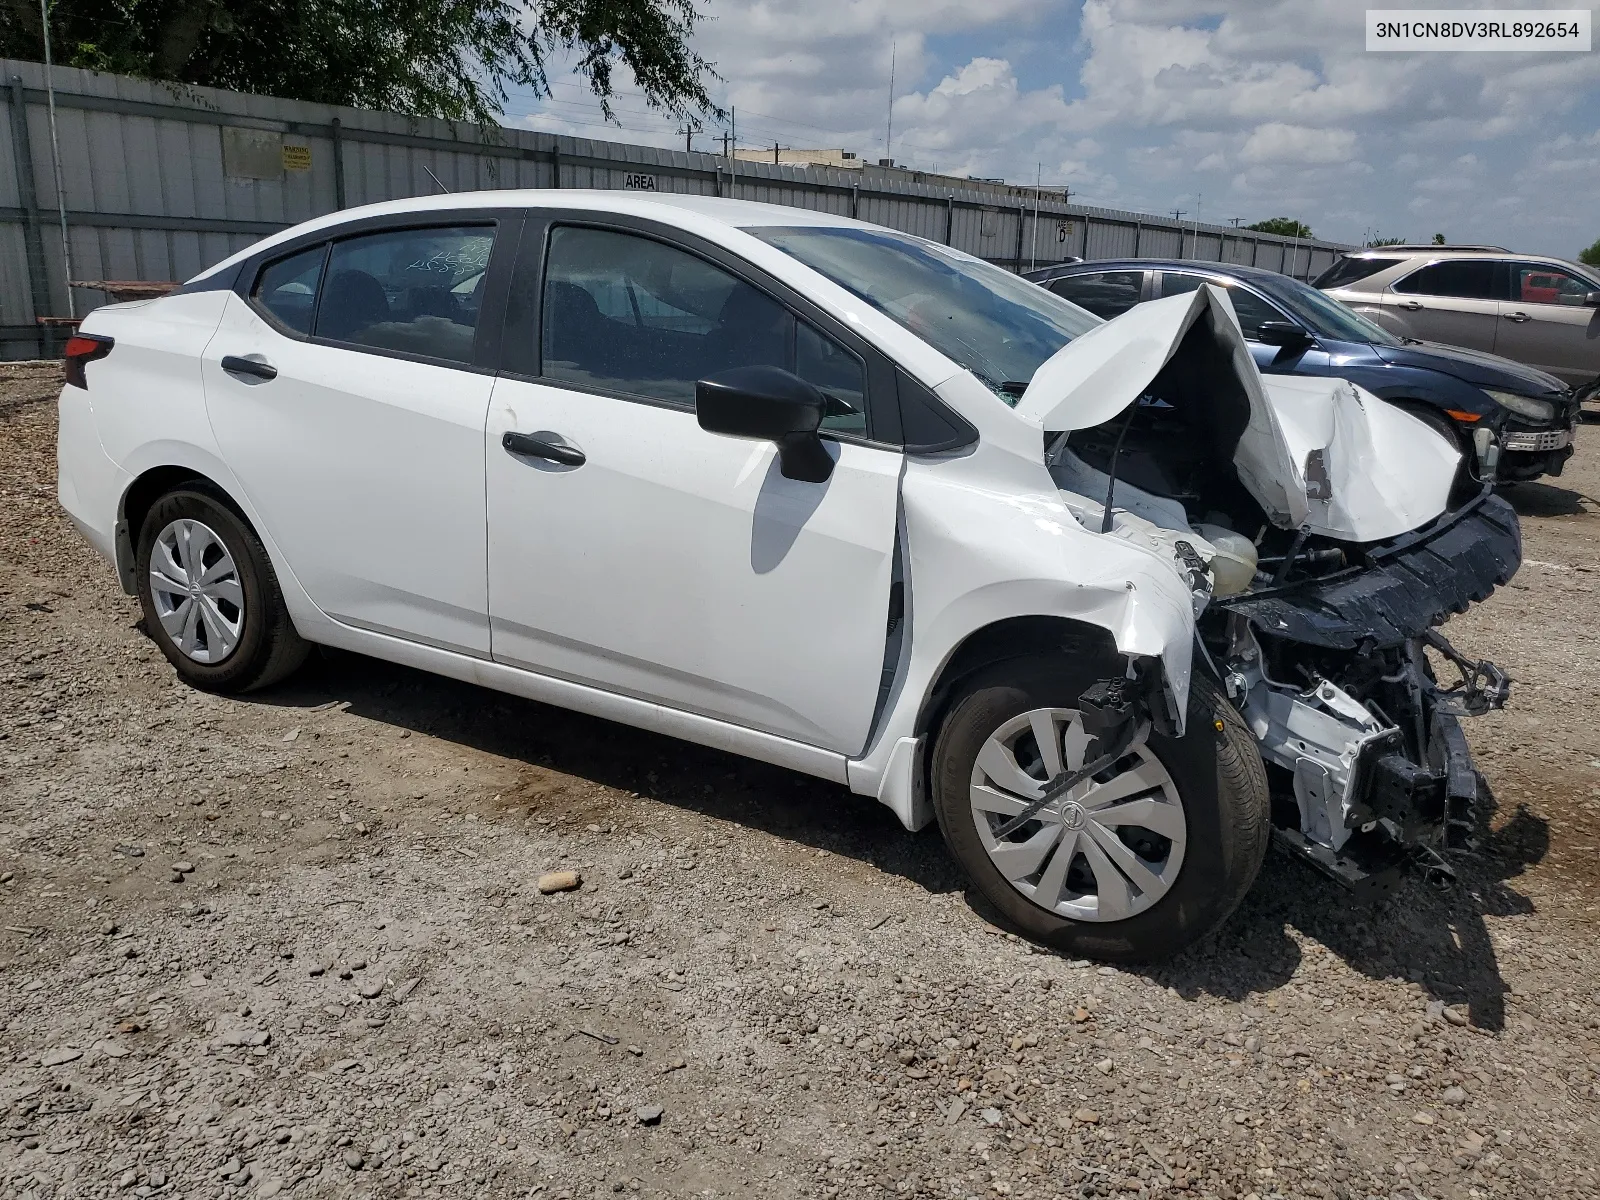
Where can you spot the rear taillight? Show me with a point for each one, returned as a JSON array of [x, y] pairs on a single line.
[[85, 348]]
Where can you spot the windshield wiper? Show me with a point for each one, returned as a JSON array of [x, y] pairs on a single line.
[[1012, 387]]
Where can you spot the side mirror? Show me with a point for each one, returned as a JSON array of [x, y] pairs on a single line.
[[1591, 299], [769, 404], [1282, 333]]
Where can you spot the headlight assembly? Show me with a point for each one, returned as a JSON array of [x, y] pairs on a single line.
[[1525, 406]]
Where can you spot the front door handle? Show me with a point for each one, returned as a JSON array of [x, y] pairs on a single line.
[[1518, 317], [1410, 306], [544, 446], [235, 365]]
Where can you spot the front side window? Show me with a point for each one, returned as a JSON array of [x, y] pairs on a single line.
[[417, 291], [1106, 294], [1462, 279], [997, 325], [624, 313], [1250, 308], [1536, 283], [287, 289]]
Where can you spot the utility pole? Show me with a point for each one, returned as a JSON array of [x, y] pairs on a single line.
[[774, 153], [1236, 221], [888, 135], [1177, 215], [689, 128], [55, 160]]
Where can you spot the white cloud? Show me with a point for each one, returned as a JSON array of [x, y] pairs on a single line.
[[1277, 142]]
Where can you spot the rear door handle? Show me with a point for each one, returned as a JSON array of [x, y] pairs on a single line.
[[1518, 317], [1410, 305], [547, 446], [235, 365]]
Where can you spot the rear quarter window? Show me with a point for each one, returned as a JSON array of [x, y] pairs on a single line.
[[286, 290], [1352, 270]]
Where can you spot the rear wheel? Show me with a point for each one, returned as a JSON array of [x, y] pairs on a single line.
[[1133, 864], [210, 597]]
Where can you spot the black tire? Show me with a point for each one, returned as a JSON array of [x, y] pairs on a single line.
[[1221, 785], [1465, 485], [268, 648]]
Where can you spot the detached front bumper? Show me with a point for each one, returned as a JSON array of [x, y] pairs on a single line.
[[1529, 453]]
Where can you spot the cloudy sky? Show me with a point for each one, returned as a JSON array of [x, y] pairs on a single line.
[[1248, 109]]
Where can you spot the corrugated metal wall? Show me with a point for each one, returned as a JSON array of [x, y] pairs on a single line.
[[160, 181]]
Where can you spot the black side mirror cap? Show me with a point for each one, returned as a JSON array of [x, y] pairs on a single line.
[[1591, 299], [1282, 333], [769, 404]]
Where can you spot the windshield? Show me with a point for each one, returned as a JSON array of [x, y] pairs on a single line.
[[996, 324], [1326, 317]]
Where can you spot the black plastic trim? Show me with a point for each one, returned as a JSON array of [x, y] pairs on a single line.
[[928, 425]]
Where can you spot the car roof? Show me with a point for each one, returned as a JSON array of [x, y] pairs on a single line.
[[1201, 266], [1456, 252]]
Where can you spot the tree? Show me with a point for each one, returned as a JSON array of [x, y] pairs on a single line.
[[1438, 239], [1376, 242], [1591, 256], [437, 58], [1283, 227]]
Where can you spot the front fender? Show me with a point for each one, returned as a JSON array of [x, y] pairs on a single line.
[[987, 539]]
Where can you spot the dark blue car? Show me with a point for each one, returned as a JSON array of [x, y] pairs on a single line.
[[1498, 411]]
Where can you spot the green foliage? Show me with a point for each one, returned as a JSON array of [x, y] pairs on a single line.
[[1375, 242], [1283, 226], [1438, 239], [1591, 256], [438, 58]]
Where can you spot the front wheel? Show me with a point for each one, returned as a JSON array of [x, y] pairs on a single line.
[[1132, 865]]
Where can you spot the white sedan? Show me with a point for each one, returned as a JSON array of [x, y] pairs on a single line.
[[1095, 596]]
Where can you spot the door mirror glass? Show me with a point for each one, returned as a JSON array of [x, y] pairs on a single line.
[[1591, 299], [770, 404], [1282, 333]]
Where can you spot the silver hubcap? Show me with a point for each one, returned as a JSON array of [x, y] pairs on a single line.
[[196, 590], [1106, 851]]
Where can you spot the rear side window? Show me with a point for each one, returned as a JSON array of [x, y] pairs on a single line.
[[1350, 270], [1104, 293], [287, 289], [1463, 279], [417, 291]]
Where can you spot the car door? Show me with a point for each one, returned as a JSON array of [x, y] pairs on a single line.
[[1454, 301], [1546, 323], [633, 551], [1106, 294], [1252, 309], [346, 393]]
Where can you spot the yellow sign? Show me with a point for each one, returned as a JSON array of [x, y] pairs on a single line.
[[296, 158]]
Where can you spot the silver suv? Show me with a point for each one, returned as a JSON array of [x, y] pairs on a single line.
[[1536, 310]]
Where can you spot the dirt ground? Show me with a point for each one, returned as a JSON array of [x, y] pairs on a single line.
[[764, 987]]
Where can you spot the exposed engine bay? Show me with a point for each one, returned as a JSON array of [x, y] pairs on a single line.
[[1316, 604]]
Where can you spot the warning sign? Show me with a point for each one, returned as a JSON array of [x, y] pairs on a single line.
[[296, 158]]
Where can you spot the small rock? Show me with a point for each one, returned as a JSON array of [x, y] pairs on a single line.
[[128, 1179], [158, 1177], [648, 1114], [232, 1167], [63, 1054], [175, 877], [1455, 1014], [1454, 1095], [108, 928], [1422, 1118], [990, 1116], [291, 735], [559, 881], [1087, 1115], [183, 868], [372, 989], [353, 1160], [1080, 1015], [1103, 1066], [269, 1189]]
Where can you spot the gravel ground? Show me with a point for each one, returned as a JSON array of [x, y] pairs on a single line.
[[294, 944]]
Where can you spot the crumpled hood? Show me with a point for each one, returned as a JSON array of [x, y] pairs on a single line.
[[1317, 453]]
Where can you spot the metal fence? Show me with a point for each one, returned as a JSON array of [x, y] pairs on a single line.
[[160, 181]]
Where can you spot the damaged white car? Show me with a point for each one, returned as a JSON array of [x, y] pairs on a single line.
[[1105, 603]]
